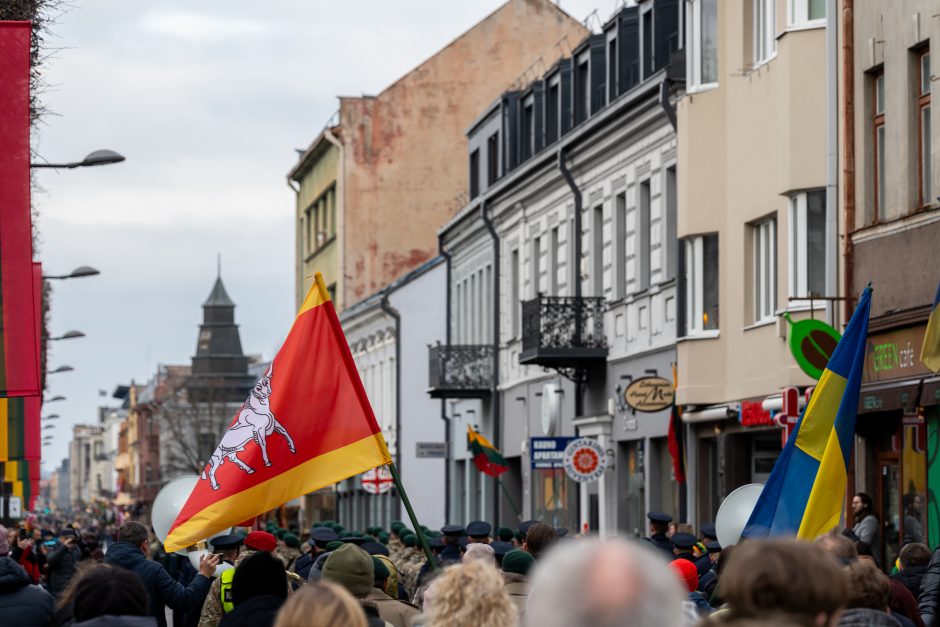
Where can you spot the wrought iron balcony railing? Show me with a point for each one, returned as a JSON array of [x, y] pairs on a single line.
[[460, 371], [563, 331]]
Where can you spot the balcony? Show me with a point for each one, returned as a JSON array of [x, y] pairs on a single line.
[[461, 371], [563, 332]]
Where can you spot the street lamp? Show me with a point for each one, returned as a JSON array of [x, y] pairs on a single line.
[[62, 369], [67, 336], [57, 397], [98, 157], [77, 273], [51, 417], [49, 427]]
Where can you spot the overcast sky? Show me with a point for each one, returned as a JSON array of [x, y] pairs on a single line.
[[208, 101]]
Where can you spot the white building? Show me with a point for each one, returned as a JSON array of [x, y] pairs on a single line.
[[388, 334], [88, 465]]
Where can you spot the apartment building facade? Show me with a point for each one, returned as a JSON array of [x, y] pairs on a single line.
[[562, 281]]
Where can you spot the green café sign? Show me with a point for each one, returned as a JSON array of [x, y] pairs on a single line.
[[894, 355]]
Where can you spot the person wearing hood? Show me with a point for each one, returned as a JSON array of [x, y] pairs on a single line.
[[516, 565], [353, 569], [259, 589], [22, 603], [63, 560], [130, 552], [869, 597], [105, 596], [398, 613]]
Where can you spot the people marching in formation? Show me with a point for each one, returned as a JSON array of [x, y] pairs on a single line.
[[87, 574]]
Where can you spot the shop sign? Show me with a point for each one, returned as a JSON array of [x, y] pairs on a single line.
[[895, 355], [548, 453], [431, 450], [753, 414], [650, 394], [812, 343], [585, 460]]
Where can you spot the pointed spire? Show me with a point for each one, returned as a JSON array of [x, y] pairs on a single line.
[[218, 297]]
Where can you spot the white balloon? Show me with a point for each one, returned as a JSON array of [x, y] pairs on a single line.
[[734, 513], [169, 502]]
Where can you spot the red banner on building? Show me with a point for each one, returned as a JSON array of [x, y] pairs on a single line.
[[19, 354]]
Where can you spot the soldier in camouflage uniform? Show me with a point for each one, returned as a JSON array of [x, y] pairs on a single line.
[[411, 561]]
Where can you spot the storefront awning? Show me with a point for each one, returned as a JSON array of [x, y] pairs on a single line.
[[891, 396]]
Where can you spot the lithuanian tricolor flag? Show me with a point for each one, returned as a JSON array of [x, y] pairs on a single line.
[[488, 460], [306, 425]]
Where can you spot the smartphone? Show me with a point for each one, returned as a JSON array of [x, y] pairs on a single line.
[[24, 535]]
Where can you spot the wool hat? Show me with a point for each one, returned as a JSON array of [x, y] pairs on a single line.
[[291, 540], [352, 568], [686, 571], [259, 574], [261, 541], [518, 561]]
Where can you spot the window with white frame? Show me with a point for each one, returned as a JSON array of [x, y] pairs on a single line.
[[701, 283], [806, 13], [764, 266], [703, 42], [764, 35], [807, 244]]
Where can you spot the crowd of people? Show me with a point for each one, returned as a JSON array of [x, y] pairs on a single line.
[[534, 575]]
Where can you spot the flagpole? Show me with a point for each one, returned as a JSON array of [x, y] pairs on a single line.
[[432, 563], [509, 498]]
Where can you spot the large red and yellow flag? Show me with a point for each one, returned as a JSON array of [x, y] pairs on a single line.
[[306, 424]]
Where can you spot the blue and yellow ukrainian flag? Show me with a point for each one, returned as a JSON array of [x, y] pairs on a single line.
[[930, 351], [805, 493]]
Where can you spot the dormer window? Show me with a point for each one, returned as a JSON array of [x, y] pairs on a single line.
[[528, 128], [553, 110], [582, 90], [474, 174]]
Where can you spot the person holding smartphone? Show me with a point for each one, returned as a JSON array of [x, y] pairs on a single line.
[[26, 555], [63, 560]]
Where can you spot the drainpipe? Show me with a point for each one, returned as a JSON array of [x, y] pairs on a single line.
[[848, 159], [447, 435], [494, 393], [576, 192], [393, 313], [832, 155]]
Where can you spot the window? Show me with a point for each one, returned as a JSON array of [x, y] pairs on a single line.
[[528, 129], [474, 174], [320, 221], [923, 126], [611, 69], [597, 246], [582, 103], [672, 201], [807, 244], [514, 305], [492, 159], [552, 112], [553, 263], [620, 245], [574, 264], [765, 36], [806, 12], [536, 265], [701, 283], [647, 34], [643, 236], [703, 44], [764, 266], [878, 143]]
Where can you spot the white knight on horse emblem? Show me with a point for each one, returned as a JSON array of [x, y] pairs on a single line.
[[255, 423]]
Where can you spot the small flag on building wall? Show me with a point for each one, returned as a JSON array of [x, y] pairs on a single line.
[[488, 460], [930, 351], [306, 424]]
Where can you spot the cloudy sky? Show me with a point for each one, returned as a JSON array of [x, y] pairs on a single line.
[[208, 101]]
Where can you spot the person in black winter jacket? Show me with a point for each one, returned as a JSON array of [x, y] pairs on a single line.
[[259, 589], [912, 563], [21, 603], [929, 597], [130, 552], [107, 596], [62, 561]]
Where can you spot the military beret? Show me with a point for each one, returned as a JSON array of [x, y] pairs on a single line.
[[525, 525], [229, 541], [332, 546], [452, 530], [398, 523], [517, 561], [504, 534], [381, 570], [479, 529], [383, 537], [708, 531], [683, 540], [291, 540], [659, 517], [374, 548], [500, 547], [410, 540], [280, 533], [322, 535], [260, 541], [713, 547], [317, 524]]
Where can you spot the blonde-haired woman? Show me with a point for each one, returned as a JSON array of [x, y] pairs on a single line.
[[321, 604], [469, 595]]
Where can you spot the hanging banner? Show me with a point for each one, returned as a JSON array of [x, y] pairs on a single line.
[[19, 357]]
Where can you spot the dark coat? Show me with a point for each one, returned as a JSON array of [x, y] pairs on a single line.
[[21, 603], [929, 595], [865, 617], [259, 611], [304, 563], [62, 564], [911, 577], [118, 621], [161, 588]]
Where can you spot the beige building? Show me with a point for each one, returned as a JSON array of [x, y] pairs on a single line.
[[373, 188], [752, 227]]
